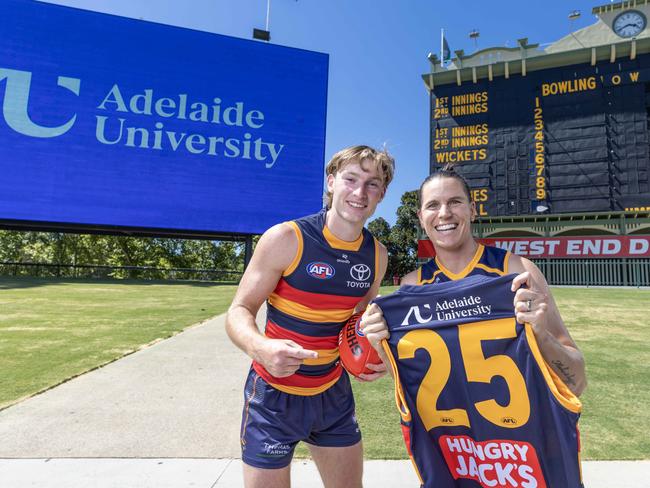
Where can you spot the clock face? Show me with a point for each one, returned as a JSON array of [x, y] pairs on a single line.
[[629, 23]]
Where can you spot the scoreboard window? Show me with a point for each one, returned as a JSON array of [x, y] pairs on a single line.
[[572, 139]]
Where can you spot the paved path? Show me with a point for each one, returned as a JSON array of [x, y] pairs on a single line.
[[178, 398], [168, 416], [226, 473]]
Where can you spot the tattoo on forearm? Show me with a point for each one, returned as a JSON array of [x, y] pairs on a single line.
[[569, 377]]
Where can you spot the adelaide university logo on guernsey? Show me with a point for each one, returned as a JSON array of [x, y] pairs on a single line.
[[16, 103]]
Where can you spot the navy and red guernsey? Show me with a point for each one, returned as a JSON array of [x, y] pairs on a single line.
[[487, 261], [479, 406], [315, 297]]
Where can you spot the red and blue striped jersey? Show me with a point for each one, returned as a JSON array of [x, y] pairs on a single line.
[[316, 295], [479, 406], [487, 260]]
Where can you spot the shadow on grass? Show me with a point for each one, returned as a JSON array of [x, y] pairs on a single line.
[[17, 282]]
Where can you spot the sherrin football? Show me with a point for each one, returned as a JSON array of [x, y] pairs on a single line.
[[354, 348]]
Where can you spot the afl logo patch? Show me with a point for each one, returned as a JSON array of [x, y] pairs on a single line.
[[320, 270], [360, 272]]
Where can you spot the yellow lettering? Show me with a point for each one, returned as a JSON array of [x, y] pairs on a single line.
[[467, 98], [475, 108], [480, 195], [483, 369], [469, 141], [434, 380], [478, 369], [616, 80], [568, 86], [634, 76], [469, 130], [461, 156]]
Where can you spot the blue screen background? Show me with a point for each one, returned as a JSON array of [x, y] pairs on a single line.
[[74, 178]]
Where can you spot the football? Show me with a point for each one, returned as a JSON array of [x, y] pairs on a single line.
[[354, 349]]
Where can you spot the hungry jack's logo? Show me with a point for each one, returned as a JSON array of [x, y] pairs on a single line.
[[493, 463]]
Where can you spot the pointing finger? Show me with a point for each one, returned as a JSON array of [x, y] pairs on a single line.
[[303, 354]]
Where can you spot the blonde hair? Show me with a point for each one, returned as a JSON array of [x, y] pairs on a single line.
[[383, 162]]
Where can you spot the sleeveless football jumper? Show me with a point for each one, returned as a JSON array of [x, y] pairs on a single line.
[[487, 261], [478, 404], [315, 297]]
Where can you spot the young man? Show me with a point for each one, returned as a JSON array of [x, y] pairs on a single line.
[[314, 273], [446, 212]]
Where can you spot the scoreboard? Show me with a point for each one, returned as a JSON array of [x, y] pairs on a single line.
[[560, 140]]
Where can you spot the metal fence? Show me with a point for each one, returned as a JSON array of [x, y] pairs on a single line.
[[596, 272], [579, 272], [46, 270]]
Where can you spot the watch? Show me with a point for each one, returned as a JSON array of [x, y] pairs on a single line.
[[629, 23]]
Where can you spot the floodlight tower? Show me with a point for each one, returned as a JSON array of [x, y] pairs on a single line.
[[474, 34], [264, 35]]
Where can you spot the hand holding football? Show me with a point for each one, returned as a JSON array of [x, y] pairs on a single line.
[[354, 349]]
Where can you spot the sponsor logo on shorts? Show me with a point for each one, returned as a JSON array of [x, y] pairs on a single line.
[[354, 421], [320, 270], [277, 449]]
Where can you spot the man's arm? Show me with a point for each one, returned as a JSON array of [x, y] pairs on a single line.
[[374, 325], [373, 291], [273, 254], [410, 278], [379, 369], [555, 343]]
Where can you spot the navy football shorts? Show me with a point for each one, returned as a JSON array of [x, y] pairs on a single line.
[[273, 422]]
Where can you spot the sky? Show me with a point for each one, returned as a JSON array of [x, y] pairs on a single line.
[[378, 52]]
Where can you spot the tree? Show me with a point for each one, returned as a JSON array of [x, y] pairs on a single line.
[[401, 240], [119, 251], [405, 233], [381, 229]]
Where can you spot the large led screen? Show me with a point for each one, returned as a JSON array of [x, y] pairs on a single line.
[[113, 122]]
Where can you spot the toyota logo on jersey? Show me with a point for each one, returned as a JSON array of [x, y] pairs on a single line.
[[320, 270], [360, 272]]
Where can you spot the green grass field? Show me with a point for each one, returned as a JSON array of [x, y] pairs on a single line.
[[53, 330]]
